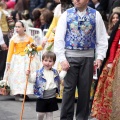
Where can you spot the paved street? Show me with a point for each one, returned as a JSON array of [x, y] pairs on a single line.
[[11, 109]]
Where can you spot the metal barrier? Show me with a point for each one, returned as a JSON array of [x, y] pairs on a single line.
[[37, 35]]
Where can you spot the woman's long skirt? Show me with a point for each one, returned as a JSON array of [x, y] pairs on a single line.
[[17, 73], [106, 103]]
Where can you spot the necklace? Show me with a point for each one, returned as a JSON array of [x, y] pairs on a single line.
[[21, 38]]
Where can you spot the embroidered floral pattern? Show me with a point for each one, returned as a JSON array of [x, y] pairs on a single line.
[[106, 104], [81, 32], [41, 81]]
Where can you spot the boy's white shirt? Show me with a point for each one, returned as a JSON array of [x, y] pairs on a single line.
[[49, 76]]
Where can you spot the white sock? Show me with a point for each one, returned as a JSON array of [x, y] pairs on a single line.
[[40, 115], [49, 115]]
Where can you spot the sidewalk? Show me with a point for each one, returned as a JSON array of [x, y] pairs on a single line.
[[11, 109]]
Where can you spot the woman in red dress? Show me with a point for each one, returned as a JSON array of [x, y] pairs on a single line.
[[106, 103]]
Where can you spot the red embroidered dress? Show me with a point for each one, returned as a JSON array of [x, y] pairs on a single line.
[[106, 104]]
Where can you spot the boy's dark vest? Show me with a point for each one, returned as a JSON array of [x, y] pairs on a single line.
[[81, 32]]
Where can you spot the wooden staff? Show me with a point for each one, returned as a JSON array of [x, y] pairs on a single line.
[[25, 89]]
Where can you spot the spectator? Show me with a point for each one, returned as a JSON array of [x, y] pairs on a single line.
[[36, 15], [13, 14], [18, 16], [3, 46], [10, 4], [46, 18], [104, 5], [26, 17], [99, 8], [113, 4], [52, 4], [5, 29], [112, 21], [36, 4], [91, 4], [21, 5]]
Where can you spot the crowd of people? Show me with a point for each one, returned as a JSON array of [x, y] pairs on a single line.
[[86, 34]]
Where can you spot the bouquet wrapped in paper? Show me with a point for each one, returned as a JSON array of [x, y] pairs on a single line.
[[31, 49]]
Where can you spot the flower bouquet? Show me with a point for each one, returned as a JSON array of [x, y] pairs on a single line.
[[4, 88], [31, 49]]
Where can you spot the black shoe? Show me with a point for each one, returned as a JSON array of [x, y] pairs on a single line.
[[19, 98], [26, 97]]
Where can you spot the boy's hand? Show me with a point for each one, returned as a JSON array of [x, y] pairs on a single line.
[[27, 72], [7, 66]]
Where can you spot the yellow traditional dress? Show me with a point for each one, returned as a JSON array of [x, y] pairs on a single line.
[[19, 64], [50, 34]]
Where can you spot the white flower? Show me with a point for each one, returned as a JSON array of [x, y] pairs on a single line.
[[30, 49], [2, 82], [28, 45]]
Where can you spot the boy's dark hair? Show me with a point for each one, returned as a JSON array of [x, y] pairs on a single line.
[[49, 54]]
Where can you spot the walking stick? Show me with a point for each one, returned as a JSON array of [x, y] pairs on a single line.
[[30, 56], [31, 50]]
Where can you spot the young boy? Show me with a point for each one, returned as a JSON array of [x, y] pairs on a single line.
[[47, 83]]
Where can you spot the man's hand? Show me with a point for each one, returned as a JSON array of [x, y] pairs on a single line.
[[4, 47], [98, 63], [65, 65]]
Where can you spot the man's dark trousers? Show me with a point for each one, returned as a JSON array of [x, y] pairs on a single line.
[[80, 75]]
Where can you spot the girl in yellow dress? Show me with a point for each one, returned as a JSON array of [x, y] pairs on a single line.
[[60, 8], [17, 61]]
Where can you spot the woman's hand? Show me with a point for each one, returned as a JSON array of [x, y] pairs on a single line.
[[7, 66], [44, 43], [109, 65]]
